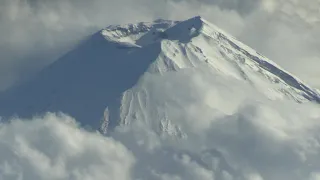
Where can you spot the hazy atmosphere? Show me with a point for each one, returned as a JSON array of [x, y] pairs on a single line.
[[165, 100], [36, 32]]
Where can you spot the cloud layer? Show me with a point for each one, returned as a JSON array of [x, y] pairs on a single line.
[[54, 147], [256, 142], [34, 33]]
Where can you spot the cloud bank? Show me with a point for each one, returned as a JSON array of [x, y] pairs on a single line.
[[256, 142], [34, 33], [54, 147]]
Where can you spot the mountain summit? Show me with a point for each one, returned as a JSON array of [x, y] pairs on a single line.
[[150, 72]]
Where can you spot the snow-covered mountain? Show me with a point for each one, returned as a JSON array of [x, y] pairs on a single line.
[[185, 98], [133, 71]]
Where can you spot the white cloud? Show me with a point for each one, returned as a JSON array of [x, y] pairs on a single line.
[[256, 142], [53, 147], [315, 176]]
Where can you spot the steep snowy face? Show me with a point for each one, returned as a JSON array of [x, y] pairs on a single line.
[[196, 42], [199, 68]]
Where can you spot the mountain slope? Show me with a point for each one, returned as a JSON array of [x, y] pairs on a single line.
[[129, 72]]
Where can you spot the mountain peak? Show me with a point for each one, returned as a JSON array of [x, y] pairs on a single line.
[[174, 99], [115, 72], [145, 33]]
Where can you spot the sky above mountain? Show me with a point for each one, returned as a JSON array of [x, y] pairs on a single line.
[[34, 33]]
